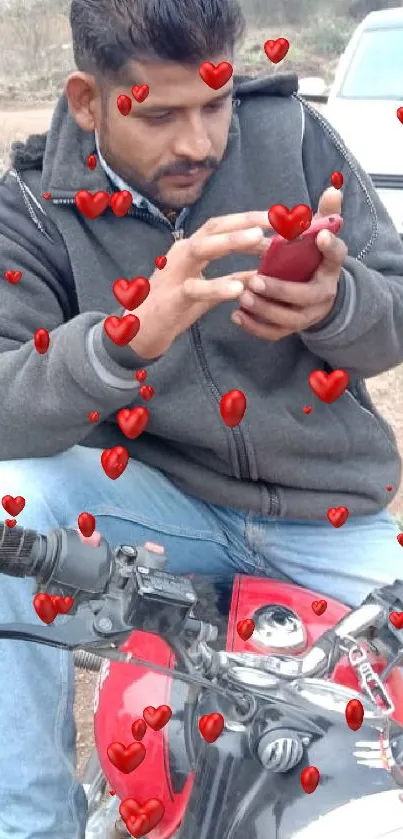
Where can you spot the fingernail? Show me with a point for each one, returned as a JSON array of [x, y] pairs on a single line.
[[248, 300], [257, 284], [235, 287], [254, 234], [236, 318]]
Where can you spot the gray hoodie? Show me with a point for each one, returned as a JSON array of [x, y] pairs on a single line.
[[278, 461]]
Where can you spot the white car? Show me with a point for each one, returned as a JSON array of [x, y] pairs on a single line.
[[363, 101]]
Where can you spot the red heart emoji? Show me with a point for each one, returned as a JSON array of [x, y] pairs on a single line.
[[309, 777], [277, 50], [138, 825], [319, 607], [245, 629], [156, 718], [211, 726], [45, 608], [397, 619], [63, 604], [307, 409], [141, 375], [290, 223], [146, 392], [121, 202], [124, 104], [399, 538], [139, 728], [338, 515], [329, 387], [90, 205], [92, 161], [160, 262], [42, 341], [216, 76], [112, 792], [46, 195], [233, 407], [354, 714], [93, 416], [86, 524], [140, 92], [13, 506], [122, 330], [114, 461], [131, 293], [399, 114], [126, 758], [13, 277], [133, 421], [389, 488], [153, 809], [10, 522], [336, 180]]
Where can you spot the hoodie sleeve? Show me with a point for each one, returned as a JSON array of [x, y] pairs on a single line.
[[45, 399], [364, 331]]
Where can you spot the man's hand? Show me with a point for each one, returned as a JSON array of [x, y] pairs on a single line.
[[272, 308], [179, 293]]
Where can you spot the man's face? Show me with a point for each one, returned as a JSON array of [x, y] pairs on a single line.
[[169, 145]]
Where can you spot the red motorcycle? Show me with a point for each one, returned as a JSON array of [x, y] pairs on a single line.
[[280, 696]]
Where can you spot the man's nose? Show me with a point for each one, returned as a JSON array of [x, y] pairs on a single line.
[[192, 141]]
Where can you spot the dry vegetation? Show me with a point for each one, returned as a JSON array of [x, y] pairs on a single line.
[[35, 58]]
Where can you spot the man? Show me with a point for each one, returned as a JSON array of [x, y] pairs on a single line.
[[203, 167]]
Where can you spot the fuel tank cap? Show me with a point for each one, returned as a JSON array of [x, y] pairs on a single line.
[[279, 628]]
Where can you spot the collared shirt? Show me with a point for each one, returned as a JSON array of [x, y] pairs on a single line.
[[139, 200]]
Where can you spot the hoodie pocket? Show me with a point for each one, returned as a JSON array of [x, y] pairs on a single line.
[[357, 391]]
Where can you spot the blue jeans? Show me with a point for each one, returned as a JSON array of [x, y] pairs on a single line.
[[40, 797]]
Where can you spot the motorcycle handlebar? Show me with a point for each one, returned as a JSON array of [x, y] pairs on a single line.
[[63, 557]]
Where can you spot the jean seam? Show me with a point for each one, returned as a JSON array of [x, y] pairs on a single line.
[[60, 717], [169, 530]]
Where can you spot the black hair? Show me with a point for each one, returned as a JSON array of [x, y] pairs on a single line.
[[109, 33]]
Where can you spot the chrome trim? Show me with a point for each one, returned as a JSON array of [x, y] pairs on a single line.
[[279, 628]]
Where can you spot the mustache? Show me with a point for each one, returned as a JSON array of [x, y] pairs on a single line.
[[184, 167]]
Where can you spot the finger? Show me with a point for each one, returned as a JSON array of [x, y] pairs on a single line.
[[330, 202], [290, 293], [334, 250], [283, 316], [198, 252], [214, 291], [233, 223], [94, 540], [266, 331]]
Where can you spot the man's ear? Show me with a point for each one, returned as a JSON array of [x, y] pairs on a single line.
[[84, 100]]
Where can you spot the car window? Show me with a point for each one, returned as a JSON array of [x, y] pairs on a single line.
[[376, 69]]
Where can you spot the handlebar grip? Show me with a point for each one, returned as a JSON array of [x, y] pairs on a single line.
[[17, 551]]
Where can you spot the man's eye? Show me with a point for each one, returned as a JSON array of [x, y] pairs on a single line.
[[158, 117], [214, 106]]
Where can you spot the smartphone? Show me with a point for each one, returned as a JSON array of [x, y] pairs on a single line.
[[297, 259]]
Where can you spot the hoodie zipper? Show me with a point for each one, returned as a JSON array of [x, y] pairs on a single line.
[[350, 162], [177, 234]]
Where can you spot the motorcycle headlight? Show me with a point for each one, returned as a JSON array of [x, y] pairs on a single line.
[[378, 816]]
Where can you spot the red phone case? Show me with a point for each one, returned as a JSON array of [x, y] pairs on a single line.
[[298, 259]]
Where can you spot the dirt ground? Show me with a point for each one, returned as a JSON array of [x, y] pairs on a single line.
[[386, 390]]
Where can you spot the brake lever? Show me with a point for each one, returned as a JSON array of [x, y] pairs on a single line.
[[80, 632], [83, 629]]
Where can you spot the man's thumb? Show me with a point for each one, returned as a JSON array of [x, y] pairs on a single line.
[[330, 202]]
